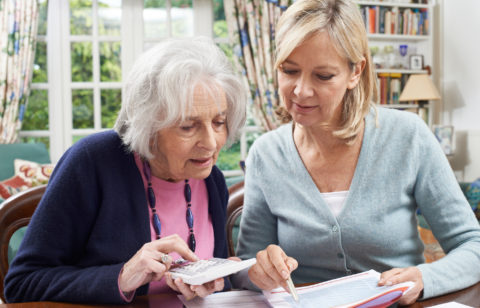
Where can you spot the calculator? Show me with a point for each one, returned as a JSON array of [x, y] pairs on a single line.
[[202, 271]]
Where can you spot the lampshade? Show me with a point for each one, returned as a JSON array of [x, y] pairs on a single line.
[[419, 87]]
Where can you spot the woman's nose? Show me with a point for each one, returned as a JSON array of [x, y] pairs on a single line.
[[303, 87], [208, 139]]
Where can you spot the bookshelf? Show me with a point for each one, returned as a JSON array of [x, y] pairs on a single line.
[[400, 36]]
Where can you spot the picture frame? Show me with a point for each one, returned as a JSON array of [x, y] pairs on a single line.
[[444, 135], [416, 62]]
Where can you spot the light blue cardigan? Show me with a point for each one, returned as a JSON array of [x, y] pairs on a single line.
[[401, 168]]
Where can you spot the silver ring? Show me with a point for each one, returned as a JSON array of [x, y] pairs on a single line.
[[165, 258]]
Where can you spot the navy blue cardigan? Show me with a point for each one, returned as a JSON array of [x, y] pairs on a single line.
[[93, 218]]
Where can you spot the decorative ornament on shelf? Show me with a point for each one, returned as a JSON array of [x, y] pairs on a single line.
[[403, 53]]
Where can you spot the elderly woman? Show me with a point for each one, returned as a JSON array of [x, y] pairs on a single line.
[[336, 191], [113, 216]]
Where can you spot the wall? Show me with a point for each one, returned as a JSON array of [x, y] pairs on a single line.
[[459, 26]]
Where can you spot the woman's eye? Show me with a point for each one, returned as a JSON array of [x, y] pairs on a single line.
[[289, 71], [186, 128], [324, 77], [219, 123]]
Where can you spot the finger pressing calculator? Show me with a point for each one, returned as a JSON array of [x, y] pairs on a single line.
[[202, 271]]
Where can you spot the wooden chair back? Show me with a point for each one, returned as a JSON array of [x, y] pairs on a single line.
[[234, 210], [15, 213]]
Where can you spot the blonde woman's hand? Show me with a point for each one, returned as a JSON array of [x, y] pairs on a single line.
[[151, 262], [272, 269], [398, 275]]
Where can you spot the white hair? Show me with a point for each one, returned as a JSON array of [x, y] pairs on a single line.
[[159, 90]]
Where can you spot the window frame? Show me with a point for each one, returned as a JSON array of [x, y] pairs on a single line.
[[60, 86]]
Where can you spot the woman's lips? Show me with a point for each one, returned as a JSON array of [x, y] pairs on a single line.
[[302, 108], [202, 162]]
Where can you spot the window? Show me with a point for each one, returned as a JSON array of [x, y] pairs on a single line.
[[88, 50], [36, 120]]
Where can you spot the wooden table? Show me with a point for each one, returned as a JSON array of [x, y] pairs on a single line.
[[469, 296]]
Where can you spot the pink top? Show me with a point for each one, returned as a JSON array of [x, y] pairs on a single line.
[[171, 209]]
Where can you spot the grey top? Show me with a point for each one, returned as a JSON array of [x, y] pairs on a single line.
[[401, 168]]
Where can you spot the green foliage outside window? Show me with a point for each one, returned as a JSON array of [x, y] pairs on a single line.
[[36, 116], [82, 108], [111, 100]]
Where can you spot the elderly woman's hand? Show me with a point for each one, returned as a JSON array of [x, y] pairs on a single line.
[[398, 275], [146, 266], [272, 269], [190, 291]]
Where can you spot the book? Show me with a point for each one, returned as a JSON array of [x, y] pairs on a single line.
[[359, 290]]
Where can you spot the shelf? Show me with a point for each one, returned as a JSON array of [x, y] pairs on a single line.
[[380, 36], [394, 4], [402, 106], [400, 71]]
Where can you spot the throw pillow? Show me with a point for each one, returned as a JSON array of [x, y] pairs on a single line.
[[12, 186], [32, 172], [473, 196]]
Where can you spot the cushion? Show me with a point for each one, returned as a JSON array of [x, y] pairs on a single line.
[[12, 186], [36, 152], [472, 193], [32, 172]]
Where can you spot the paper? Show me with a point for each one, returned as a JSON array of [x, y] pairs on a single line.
[[358, 290], [451, 305], [247, 299]]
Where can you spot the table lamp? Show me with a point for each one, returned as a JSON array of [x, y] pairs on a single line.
[[421, 89]]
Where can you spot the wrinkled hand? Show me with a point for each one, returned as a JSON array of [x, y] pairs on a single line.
[[146, 266], [398, 275], [190, 291], [272, 269]]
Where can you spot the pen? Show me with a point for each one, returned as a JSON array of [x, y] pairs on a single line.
[[292, 289]]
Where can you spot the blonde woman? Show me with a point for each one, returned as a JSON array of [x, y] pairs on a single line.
[[335, 192]]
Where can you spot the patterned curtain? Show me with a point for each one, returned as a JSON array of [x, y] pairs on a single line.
[[18, 31], [251, 28]]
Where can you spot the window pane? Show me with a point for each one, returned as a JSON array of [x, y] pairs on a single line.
[[109, 16], [76, 138], [42, 17], [229, 159], [219, 22], [182, 18], [44, 140], [40, 63], [81, 61], [220, 30], [36, 113], [110, 66], [154, 3], [155, 19], [80, 17], [111, 102], [82, 108]]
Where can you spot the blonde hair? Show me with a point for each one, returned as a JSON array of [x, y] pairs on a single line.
[[159, 90], [342, 21]]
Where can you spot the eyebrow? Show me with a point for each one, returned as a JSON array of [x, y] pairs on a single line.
[[223, 113], [316, 67]]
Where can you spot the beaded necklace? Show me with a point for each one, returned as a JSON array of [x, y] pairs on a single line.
[[157, 225]]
